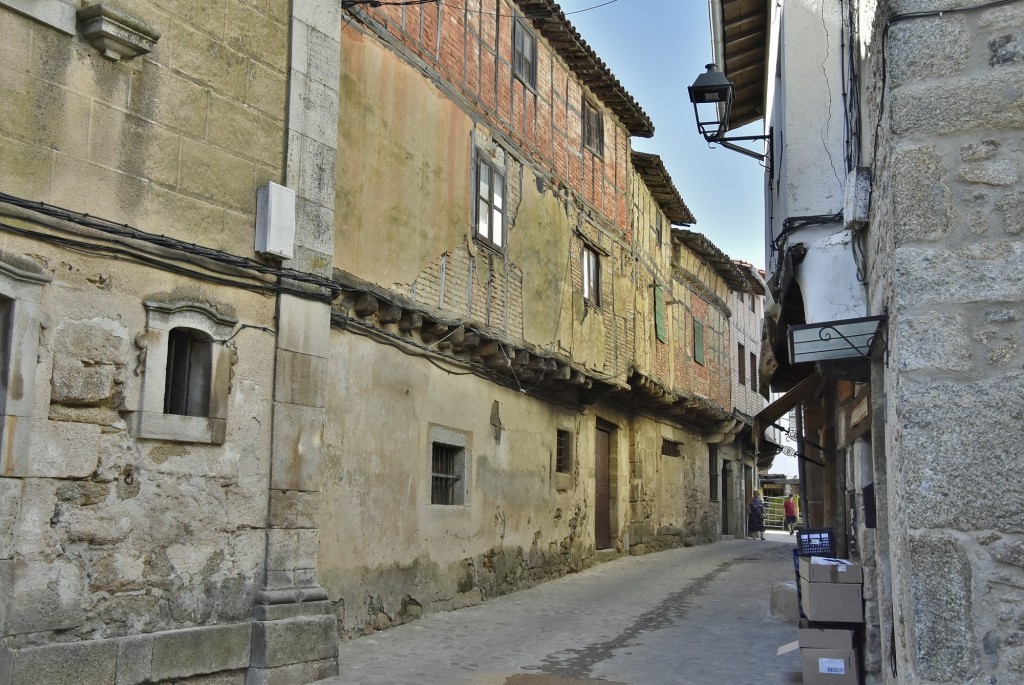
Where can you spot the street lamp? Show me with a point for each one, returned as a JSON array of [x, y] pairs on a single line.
[[712, 95]]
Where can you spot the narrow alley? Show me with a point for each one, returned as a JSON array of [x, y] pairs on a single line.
[[691, 615]]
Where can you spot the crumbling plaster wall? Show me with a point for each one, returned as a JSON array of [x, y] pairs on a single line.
[[945, 261], [521, 522]]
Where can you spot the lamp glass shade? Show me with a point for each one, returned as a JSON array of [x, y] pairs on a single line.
[[711, 86]]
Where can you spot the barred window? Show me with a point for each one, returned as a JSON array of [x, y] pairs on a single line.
[[593, 128], [563, 451], [447, 465]]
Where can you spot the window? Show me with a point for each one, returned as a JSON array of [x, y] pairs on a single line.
[[524, 54], [739, 295], [659, 314], [189, 361], [713, 473], [445, 474], [490, 212], [593, 128], [187, 372], [670, 448], [591, 277], [753, 372], [563, 451], [741, 364], [449, 461], [657, 229], [698, 342], [752, 302]]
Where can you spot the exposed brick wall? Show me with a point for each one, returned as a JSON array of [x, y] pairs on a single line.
[[470, 48]]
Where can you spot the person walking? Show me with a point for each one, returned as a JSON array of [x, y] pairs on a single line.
[[789, 510], [755, 516]]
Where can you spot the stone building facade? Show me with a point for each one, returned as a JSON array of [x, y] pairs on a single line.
[[317, 320], [905, 207]]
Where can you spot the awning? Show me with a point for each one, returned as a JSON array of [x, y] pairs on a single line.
[[782, 406]]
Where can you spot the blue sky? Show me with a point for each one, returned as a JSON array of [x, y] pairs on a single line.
[[656, 48]]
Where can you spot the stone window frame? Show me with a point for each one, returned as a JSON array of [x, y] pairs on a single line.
[[462, 443], [22, 286], [671, 448], [161, 319]]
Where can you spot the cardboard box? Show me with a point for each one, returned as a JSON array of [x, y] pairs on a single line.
[[829, 666], [826, 638], [828, 570], [839, 602]]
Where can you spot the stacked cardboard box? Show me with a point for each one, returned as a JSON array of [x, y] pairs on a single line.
[[828, 657], [830, 591]]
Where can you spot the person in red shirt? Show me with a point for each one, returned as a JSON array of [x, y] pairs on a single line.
[[789, 510]]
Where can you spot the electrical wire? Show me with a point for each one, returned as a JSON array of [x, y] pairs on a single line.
[[113, 231], [349, 4]]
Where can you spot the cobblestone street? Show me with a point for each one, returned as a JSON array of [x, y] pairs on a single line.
[[693, 615]]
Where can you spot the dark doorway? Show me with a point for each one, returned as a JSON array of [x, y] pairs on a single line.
[[726, 496], [602, 486]]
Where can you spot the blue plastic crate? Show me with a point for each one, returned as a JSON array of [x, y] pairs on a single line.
[[817, 542]]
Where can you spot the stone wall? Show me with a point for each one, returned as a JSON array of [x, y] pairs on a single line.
[[946, 254]]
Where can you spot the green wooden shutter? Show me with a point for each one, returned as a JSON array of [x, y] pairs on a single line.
[[659, 314], [698, 342]]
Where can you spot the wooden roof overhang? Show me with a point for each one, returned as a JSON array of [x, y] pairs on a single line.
[[698, 414], [709, 252], [652, 169], [368, 309], [744, 43], [548, 18]]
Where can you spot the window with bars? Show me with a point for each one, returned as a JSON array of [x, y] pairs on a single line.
[[591, 277], [698, 341], [563, 451], [490, 211], [671, 448], [741, 363], [524, 54], [593, 128], [447, 469]]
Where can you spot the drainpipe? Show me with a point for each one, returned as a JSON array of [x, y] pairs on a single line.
[[802, 463]]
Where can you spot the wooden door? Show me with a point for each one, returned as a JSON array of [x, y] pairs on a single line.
[[603, 490]]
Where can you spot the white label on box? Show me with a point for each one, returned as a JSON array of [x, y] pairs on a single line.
[[832, 666], [843, 564]]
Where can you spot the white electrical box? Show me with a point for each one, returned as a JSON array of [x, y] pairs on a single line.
[[857, 202], [275, 221]]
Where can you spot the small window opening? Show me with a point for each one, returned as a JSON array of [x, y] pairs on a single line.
[[189, 367], [741, 364], [447, 466], [591, 277], [698, 342], [670, 448], [563, 451]]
